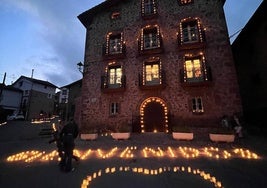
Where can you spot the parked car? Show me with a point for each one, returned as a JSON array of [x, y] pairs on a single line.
[[16, 117]]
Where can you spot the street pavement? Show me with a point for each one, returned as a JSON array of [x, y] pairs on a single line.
[[154, 160]]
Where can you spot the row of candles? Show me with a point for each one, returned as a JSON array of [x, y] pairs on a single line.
[[146, 152], [145, 171]]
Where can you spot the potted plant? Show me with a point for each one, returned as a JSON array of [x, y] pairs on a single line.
[[182, 132], [222, 135], [122, 132], [89, 133]]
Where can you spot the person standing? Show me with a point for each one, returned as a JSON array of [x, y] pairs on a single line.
[[68, 134], [237, 126], [57, 139]]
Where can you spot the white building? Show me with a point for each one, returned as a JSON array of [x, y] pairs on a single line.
[[38, 96]]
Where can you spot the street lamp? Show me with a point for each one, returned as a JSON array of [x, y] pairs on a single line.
[[80, 67]]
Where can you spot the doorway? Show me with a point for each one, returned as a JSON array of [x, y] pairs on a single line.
[[154, 115]]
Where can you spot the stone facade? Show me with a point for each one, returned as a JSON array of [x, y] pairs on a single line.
[[219, 95]]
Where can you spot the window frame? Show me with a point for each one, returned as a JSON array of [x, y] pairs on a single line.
[[114, 40], [194, 69], [155, 81], [152, 4], [197, 105], [195, 29], [116, 84], [151, 33], [114, 108]]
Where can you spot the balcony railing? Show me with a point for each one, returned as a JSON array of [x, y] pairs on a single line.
[[206, 79], [159, 83], [108, 87]]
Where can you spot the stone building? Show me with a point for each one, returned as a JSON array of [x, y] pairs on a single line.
[[154, 63], [249, 50]]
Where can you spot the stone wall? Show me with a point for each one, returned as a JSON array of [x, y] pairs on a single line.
[[219, 98]]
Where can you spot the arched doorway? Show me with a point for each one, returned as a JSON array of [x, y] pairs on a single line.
[[154, 115]]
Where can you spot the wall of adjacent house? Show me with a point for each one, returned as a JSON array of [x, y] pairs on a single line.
[[11, 100], [40, 102], [36, 98], [220, 98], [250, 56]]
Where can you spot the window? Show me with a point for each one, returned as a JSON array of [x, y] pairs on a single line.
[[185, 2], [115, 15], [64, 92], [149, 7], [20, 83], [152, 76], [113, 80], [193, 69], [49, 95], [150, 38], [197, 105], [26, 92], [115, 75], [114, 108], [152, 73], [114, 44], [191, 31]]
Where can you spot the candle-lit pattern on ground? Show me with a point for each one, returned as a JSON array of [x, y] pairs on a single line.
[[135, 152], [153, 172]]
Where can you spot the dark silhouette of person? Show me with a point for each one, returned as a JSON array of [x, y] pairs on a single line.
[[59, 143], [68, 134]]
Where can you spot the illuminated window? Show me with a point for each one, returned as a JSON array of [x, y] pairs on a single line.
[[114, 44], [185, 2], [115, 76], [150, 38], [152, 73], [194, 69], [197, 105], [114, 108], [149, 7]]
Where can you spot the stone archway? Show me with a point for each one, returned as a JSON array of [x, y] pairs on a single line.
[[154, 115]]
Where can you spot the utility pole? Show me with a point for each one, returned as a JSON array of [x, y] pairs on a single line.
[[2, 86], [29, 98]]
